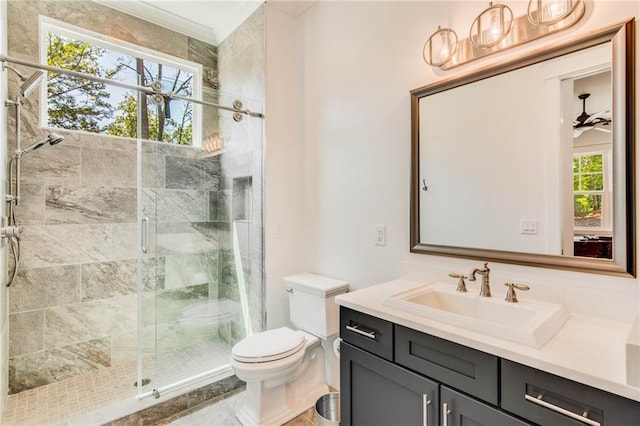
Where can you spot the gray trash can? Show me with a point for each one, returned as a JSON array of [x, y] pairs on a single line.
[[328, 409]]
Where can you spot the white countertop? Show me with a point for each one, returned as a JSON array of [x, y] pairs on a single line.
[[589, 350]]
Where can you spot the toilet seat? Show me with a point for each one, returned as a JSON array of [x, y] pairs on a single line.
[[268, 346]]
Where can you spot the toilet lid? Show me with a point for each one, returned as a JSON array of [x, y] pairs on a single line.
[[268, 345]]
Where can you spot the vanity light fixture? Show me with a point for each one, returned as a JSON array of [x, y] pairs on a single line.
[[491, 26], [551, 12], [440, 46], [496, 29]]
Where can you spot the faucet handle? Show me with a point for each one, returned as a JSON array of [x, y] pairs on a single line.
[[511, 293], [462, 287]]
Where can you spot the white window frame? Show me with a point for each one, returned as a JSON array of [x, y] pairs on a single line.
[[48, 25], [606, 228]]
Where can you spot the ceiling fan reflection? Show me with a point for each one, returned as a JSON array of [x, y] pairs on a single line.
[[600, 120]]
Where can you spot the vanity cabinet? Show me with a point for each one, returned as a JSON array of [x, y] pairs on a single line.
[[394, 375], [377, 391]]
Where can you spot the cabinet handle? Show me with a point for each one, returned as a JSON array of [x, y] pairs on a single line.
[[543, 403], [445, 414], [355, 329], [425, 409]]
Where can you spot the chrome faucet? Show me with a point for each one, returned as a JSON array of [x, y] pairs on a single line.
[[485, 291]]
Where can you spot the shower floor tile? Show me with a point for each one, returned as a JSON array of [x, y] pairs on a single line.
[[56, 403]]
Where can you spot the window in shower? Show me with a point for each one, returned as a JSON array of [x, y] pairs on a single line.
[[74, 103]]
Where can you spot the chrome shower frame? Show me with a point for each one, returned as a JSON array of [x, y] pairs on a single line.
[[237, 107]]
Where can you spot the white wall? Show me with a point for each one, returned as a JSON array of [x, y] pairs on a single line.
[[358, 61], [284, 172]]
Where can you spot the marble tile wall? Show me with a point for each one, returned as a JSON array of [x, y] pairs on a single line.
[[4, 323], [73, 306], [241, 62]]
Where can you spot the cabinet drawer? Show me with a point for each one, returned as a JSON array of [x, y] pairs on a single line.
[[463, 368], [547, 399], [372, 334]]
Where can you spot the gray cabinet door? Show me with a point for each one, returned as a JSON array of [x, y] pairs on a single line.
[[462, 410], [376, 392]]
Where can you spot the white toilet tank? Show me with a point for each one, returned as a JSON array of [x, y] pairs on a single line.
[[311, 303]]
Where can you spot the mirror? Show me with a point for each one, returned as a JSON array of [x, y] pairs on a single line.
[[531, 161]]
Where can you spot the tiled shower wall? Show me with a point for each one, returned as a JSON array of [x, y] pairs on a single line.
[[73, 306], [241, 67], [4, 328]]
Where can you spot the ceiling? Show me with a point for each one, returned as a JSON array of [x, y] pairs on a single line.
[[207, 20]]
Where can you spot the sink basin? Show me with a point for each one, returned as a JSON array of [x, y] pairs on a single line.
[[528, 322]]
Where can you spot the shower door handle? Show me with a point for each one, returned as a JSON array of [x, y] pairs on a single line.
[[145, 235]]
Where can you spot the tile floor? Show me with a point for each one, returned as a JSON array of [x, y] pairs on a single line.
[[54, 404], [222, 413]]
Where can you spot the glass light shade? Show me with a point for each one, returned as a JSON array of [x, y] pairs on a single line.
[[550, 12], [491, 26], [440, 46]]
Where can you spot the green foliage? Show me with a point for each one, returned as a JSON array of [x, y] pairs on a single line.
[[585, 204], [126, 122], [75, 103], [79, 104], [588, 173]]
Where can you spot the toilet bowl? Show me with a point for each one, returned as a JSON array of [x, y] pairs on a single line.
[[286, 369]]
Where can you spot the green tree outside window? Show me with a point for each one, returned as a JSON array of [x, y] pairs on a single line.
[[588, 188], [78, 104]]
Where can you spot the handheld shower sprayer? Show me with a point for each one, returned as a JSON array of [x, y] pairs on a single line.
[[8, 227], [52, 138]]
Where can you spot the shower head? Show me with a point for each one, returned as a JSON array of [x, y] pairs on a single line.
[[29, 84], [21, 76], [52, 138]]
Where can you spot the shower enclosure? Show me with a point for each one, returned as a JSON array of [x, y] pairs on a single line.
[[200, 253], [157, 253], [141, 261]]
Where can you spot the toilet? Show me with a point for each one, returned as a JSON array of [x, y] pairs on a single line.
[[286, 369]]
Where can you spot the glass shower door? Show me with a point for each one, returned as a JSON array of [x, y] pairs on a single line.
[[200, 263]]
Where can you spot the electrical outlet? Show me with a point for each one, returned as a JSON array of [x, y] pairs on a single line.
[[381, 235]]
